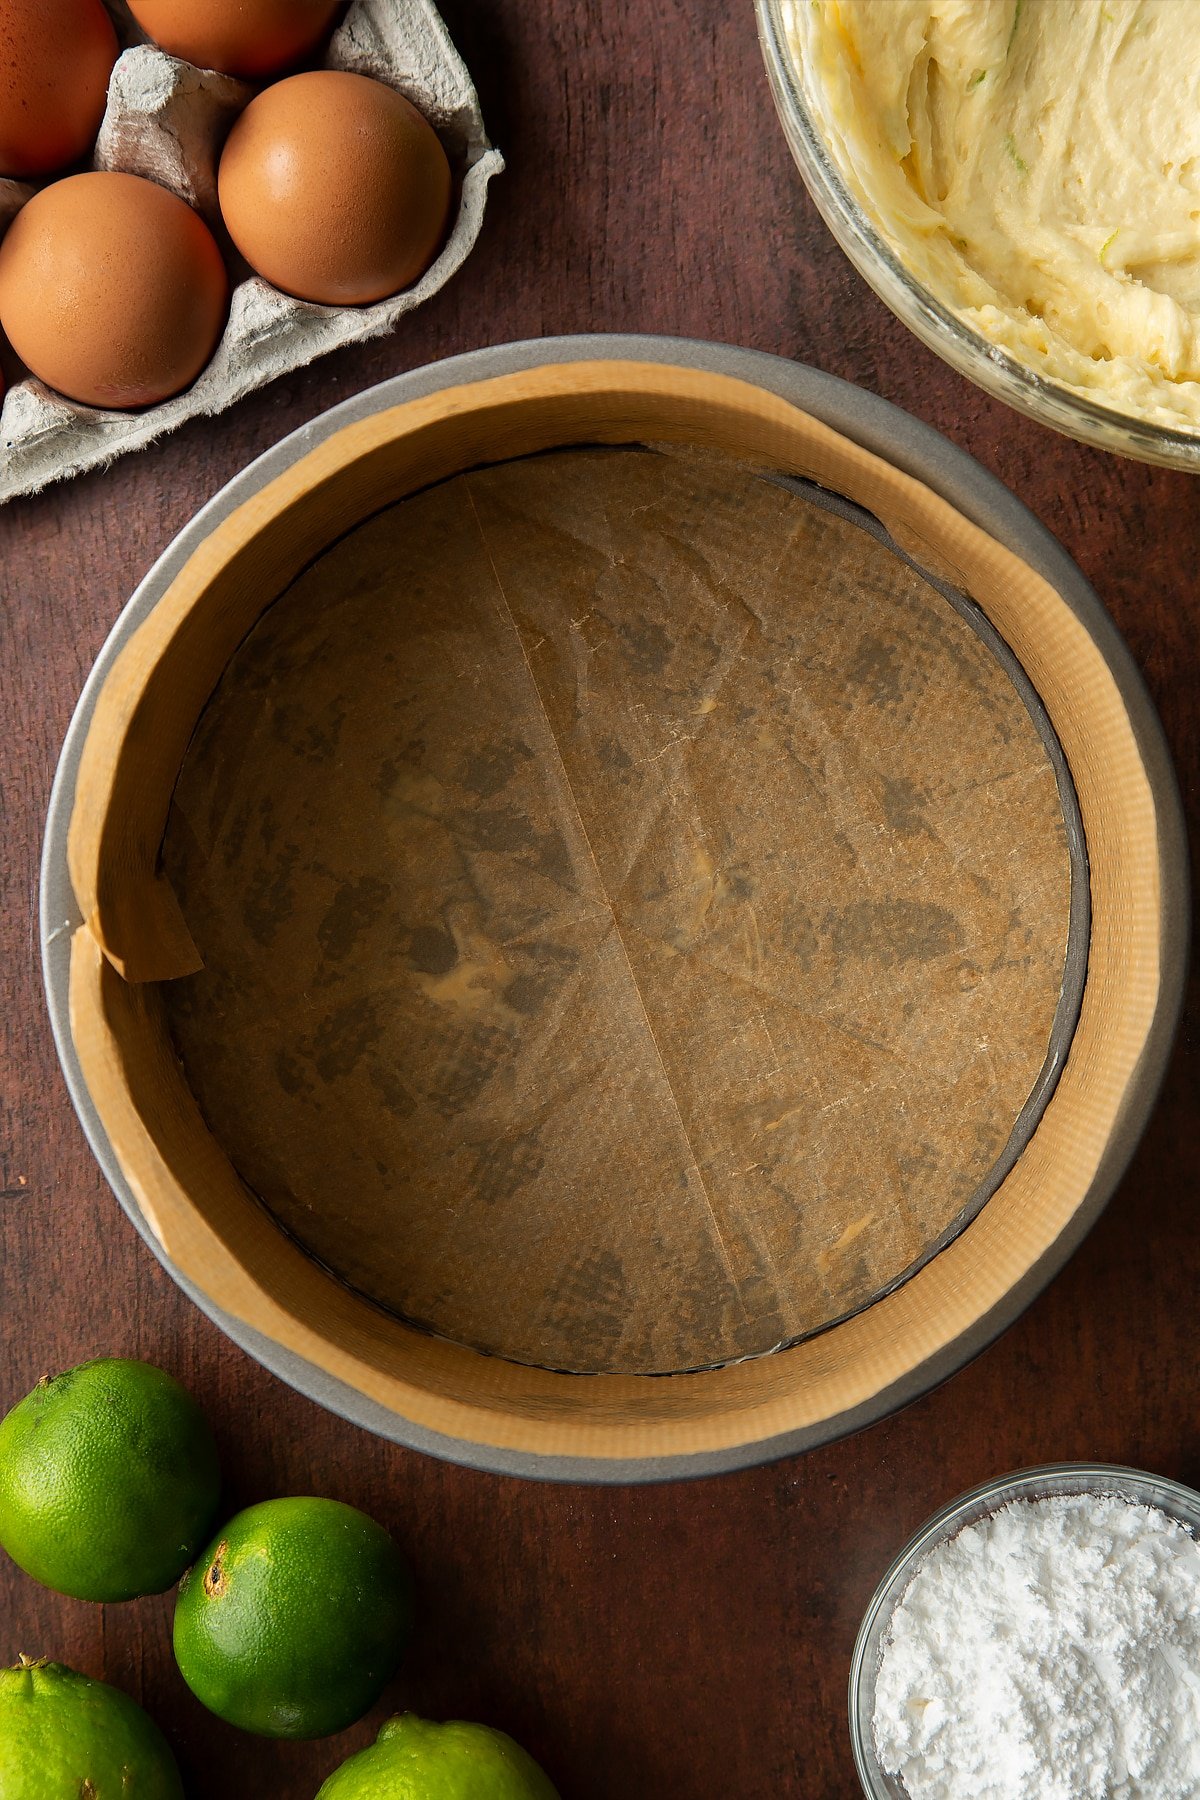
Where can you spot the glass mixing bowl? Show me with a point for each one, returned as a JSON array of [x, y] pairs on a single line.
[[966, 350], [1178, 1502]]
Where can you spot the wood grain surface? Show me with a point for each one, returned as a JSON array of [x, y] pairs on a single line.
[[688, 1642]]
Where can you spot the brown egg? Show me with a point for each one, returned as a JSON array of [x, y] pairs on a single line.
[[112, 290], [335, 188], [55, 60], [251, 38]]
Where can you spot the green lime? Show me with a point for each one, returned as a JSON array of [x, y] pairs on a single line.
[[294, 1619], [108, 1480], [413, 1759], [65, 1737]]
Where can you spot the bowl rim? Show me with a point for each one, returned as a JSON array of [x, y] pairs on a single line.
[[1042, 1481], [1051, 403], [914, 448]]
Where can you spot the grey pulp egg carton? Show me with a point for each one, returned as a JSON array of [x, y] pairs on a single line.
[[167, 119]]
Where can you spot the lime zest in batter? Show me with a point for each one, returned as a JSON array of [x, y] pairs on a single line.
[[1010, 144], [1025, 160]]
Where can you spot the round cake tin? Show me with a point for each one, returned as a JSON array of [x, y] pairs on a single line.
[[1048, 1481], [966, 350], [914, 451]]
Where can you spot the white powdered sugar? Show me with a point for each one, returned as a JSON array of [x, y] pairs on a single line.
[[1049, 1652]]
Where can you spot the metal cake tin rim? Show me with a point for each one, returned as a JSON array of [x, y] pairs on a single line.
[[916, 449]]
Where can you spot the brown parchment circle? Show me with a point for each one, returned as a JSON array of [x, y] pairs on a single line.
[[633, 907]]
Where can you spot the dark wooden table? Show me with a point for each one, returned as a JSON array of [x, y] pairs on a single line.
[[678, 1643]]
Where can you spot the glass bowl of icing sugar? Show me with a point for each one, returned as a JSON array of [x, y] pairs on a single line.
[[1039, 1639]]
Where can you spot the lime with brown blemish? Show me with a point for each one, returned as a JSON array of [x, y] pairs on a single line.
[[414, 1759], [66, 1737], [294, 1619], [109, 1480]]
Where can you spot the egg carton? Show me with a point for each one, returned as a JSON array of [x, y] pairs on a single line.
[[167, 119]]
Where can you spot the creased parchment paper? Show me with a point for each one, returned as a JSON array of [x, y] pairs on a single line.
[[167, 120], [633, 906]]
